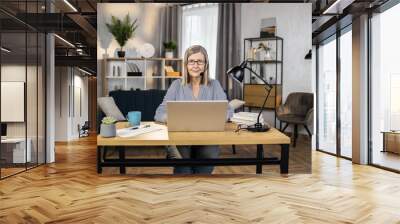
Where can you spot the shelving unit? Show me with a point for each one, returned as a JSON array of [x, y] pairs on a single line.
[[270, 68], [153, 75]]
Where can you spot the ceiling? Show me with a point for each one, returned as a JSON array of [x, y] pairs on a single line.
[[75, 21], [77, 25]]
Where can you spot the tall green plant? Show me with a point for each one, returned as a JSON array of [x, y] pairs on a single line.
[[122, 30], [169, 46]]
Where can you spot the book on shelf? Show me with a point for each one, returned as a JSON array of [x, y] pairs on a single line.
[[169, 71]]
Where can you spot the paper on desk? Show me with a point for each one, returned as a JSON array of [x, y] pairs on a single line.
[[246, 118], [129, 132]]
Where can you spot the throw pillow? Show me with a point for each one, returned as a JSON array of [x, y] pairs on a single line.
[[108, 106], [235, 103]]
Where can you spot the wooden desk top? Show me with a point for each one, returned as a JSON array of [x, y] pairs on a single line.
[[227, 137]]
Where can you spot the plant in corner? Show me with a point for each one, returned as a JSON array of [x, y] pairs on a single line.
[[107, 128], [122, 30], [169, 49]]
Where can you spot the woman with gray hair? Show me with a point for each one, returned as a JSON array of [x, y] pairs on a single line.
[[197, 85]]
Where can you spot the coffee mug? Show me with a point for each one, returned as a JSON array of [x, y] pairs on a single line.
[[134, 118]]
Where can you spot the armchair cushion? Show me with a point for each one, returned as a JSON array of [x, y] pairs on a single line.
[[293, 119], [297, 108]]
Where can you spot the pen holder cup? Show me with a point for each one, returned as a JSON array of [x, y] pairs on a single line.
[[134, 118]]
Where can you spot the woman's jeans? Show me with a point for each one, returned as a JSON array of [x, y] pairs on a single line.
[[197, 152]]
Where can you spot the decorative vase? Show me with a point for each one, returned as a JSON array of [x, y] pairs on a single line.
[[169, 54], [268, 55], [121, 54], [108, 130]]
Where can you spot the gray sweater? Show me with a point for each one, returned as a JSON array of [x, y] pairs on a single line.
[[179, 92]]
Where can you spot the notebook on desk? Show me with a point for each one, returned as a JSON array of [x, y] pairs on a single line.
[[135, 131]]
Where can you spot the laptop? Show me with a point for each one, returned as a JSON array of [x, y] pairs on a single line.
[[196, 115]]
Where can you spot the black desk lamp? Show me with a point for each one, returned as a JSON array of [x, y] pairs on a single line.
[[237, 73]]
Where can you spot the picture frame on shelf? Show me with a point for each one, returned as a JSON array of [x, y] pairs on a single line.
[[268, 27]]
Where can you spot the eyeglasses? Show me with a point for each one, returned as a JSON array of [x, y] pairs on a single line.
[[199, 62]]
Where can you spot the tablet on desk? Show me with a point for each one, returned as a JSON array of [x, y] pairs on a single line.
[[196, 115]]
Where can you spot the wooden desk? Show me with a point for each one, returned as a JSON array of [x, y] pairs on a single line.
[[391, 141], [15, 147], [227, 137]]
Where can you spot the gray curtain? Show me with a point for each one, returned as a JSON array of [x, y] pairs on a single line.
[[171, 27], [228, 46]]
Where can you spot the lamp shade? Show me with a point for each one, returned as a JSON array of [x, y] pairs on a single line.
[[237, 73]]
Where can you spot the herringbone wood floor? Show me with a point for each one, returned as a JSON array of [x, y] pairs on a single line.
[[70, 191]]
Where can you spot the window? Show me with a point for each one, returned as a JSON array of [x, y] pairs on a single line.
[[199, 27], [335, 74], [346, 94], [327, 96], [22, 74], [385, 84]]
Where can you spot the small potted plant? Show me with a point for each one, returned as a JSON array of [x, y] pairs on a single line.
[[107, 128], [122, 30], [169, 49]]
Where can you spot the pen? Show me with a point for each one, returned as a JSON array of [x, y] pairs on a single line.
[[137, 127]]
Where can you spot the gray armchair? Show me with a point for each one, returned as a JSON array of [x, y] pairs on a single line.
[[297, 110]]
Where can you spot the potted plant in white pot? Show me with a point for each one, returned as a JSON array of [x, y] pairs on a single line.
[[122, 30], [107, 128], [169, 48]]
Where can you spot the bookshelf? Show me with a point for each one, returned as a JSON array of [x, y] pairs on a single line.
[[140, 73]]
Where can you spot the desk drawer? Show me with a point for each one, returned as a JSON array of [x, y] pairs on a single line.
[[254, 96], [259, 90], [15, 152], [257, 101]]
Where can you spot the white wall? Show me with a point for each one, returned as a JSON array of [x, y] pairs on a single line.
[[12, 73], [68, 83], [148, 31], [61, 103], [293, 24], [33, 126], [79, 117]]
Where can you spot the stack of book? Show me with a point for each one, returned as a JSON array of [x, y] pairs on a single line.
[[246, 118]]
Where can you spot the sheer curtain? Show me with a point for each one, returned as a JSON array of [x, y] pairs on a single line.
[[199, 27]]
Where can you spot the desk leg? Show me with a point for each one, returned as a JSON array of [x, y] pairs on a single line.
[[284, 158], [122, 168], [260, 157], [99, 168], [384, 142]]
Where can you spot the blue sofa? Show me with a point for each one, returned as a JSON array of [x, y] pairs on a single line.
[[145, 101]]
